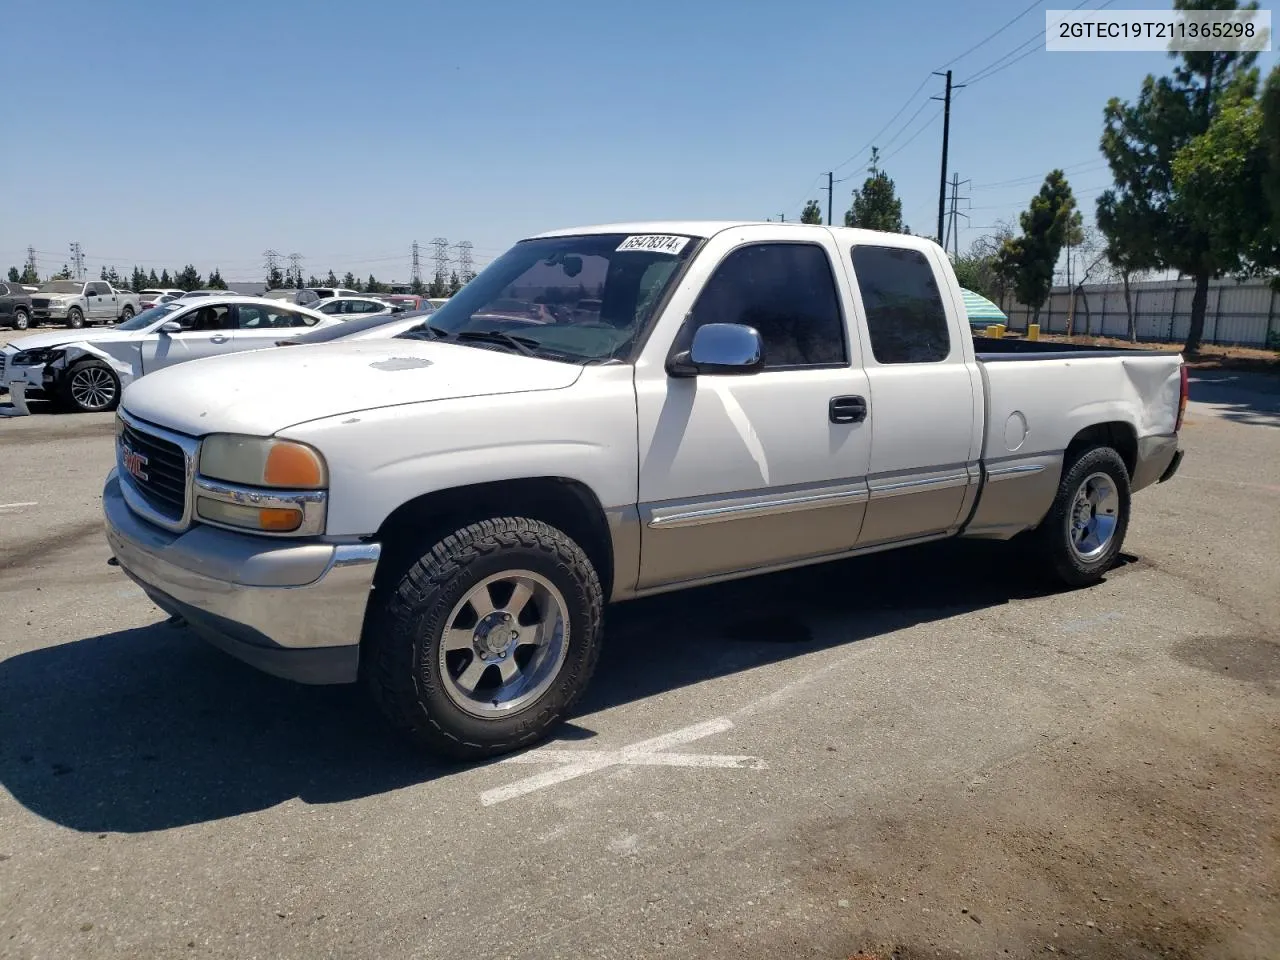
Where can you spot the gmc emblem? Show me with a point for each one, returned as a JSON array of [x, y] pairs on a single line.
[[135, 463]]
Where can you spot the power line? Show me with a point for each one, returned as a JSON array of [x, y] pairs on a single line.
[[923, 127], [996, 65], [992, 36]]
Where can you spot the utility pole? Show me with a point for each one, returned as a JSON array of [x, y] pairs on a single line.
[[415, 271], [32, 268], [953, 228], [271, 262], [77, 260], [830, 188], [946, 134], [440, 246], [466, 266]]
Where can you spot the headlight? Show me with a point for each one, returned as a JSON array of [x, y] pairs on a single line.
[[261, 484], [30, 358], [262, 462]]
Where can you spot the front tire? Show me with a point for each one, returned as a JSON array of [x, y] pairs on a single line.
[[485, 643], [90, 386], [1081, 538], [20, 319], [75, 318]]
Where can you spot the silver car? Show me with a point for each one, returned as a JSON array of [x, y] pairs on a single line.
[[87, 370]]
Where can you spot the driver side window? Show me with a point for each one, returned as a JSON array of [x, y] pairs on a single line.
[[206, 318], [788, 293]]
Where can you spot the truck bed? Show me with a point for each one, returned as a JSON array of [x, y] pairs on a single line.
[[994, 349]]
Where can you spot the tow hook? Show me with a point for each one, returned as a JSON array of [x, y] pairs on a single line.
[[112, 562]]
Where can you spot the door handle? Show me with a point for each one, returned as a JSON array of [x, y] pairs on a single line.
[[220, 338], [847, 409]]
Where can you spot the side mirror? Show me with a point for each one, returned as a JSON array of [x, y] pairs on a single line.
[[171, 326], [725, 348]]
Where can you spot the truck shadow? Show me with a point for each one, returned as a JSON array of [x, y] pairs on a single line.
[[148, 729]]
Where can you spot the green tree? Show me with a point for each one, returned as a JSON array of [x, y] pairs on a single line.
[[1028, 260], [331, 279], [812, 213], [164, 281], [152, 280], [29, 274], [350, 282], [373, 286], [215, 281], [417, 287], [1149, 208], [187, 278], [312, 281], [63, 274], [275, 279], [102, 274], [876, 205], [455, 283], [14, 275]]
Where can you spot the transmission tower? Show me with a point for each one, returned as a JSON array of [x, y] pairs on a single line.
[[441, 256], [465, 266], [77, 261], [32, 268], [415, 268], [271, 263], [295, 269]]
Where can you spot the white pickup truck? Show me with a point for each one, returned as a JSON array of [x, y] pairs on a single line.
[[77, 302], [606, 413]]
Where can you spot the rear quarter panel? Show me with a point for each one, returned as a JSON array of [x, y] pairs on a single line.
[[1035, 407]]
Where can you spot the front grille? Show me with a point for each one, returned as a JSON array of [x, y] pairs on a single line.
[[165, 486], [39, 303]]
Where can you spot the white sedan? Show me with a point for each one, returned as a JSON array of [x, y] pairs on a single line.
[[87, 370], [378, 326], [348, 308]]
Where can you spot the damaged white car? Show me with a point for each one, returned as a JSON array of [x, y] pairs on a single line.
[[87, 370]]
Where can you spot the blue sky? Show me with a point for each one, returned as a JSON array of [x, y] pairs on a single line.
[[163, 133]]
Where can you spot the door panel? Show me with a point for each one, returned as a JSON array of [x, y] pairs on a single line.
[[739, 472], [924, 445], [164, 350]]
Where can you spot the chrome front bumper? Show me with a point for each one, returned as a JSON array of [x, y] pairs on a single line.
[[294, 609]]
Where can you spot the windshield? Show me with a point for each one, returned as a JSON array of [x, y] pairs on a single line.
[[148, 317], [579, 298], [61, 286]]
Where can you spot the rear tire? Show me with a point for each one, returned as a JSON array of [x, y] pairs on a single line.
[[90, 386], [485, 643], [1081, 538], [126, 314]]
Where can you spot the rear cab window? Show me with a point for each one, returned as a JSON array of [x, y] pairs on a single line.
[[906, 317]]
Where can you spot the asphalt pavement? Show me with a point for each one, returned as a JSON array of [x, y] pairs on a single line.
[[915, 754]]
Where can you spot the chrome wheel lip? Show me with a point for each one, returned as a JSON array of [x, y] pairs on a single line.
[[92, 388], [1093, 517], [542, 668]]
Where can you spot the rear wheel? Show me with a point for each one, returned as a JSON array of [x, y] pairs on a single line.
[[1080, 539], [75, 318], [91, 386], [485, 643], [126, 313]]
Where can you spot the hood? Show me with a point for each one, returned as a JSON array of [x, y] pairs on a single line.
[[60, 338], [264, 391]]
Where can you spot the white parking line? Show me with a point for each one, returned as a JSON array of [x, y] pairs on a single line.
[[576, 763], [23, 503]]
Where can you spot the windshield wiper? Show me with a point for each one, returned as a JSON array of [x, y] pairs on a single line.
[[425, 332], [524, 345]]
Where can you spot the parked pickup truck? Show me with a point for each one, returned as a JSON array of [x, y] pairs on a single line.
[[76, 303], [443, 514]]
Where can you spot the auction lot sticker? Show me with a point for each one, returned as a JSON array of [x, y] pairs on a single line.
[[654, 242]]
